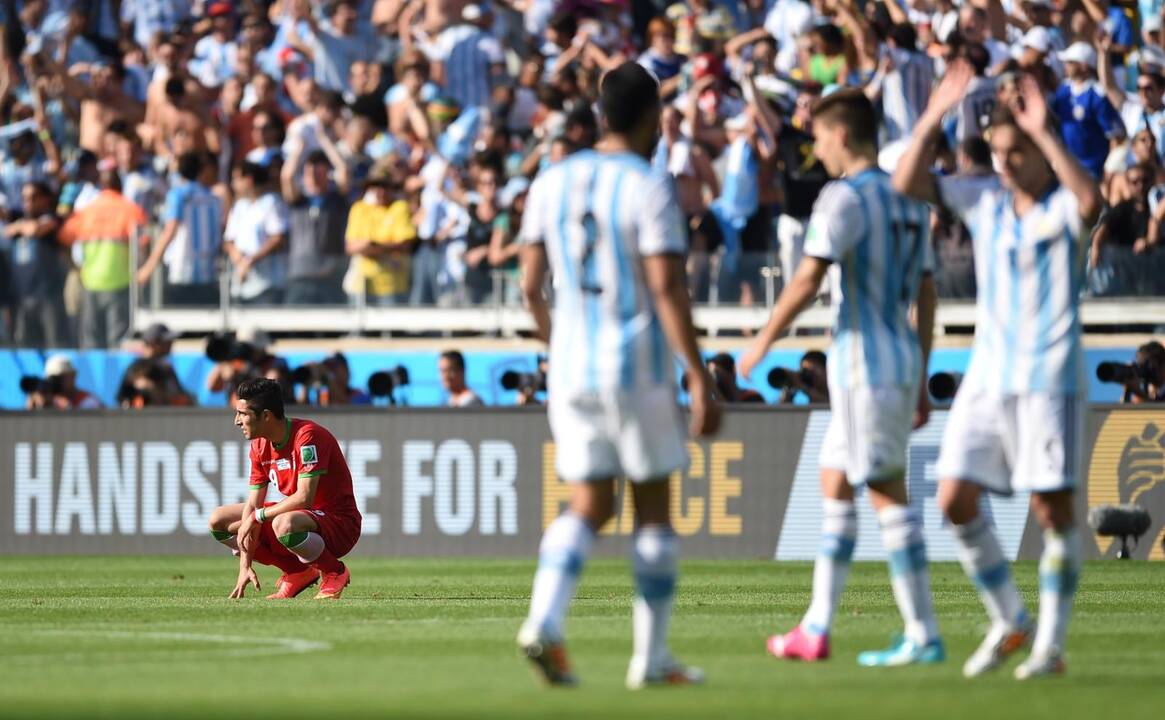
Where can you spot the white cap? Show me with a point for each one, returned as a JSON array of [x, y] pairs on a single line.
[[1038, 39], [59, 365], [1079, 52], [471, 13], [1151, 59], [1151, 23]]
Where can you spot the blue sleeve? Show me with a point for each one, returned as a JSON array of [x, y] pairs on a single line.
[[1122, 29], [175, 203], [1107, 116]]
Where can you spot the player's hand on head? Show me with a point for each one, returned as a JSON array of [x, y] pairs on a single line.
[[953, 86], [1029, 107]]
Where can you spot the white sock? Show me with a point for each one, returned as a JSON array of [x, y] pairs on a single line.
[[654, 555], [839, 533], [307, 546], [1059, 575], [983, 561], [909, 578], [561, 557]]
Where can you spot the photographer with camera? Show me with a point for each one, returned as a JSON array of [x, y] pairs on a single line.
[[722, 367], [243, 355], [1144, 379], [150, 379], [57, 389], [451, 368], [527, 384], [810, 379], [329, 378]]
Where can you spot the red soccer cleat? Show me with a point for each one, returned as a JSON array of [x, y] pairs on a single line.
[[292, 584], [799, 645], [332, 584]]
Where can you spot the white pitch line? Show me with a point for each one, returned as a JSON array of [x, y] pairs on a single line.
[[274, 645]]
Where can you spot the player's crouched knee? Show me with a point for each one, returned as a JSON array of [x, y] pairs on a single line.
[[282, 524], [220, 520]]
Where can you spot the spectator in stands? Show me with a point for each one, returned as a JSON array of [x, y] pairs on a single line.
[[318, 218], [191, 239], [60, 391], [255, 239], [36, 269], [503, 245], [661, 57], [104, 231], [332, 49], [451, 368], [23, 163], [1121, 239], [468, 60], [380, 238], [150, 17], [1088, 120], [483, 212], [954, 275], [1148, 386]]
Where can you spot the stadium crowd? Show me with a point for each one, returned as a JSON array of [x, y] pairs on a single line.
[[379, 151]]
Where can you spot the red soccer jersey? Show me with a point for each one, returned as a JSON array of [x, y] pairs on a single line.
[[308, 450]]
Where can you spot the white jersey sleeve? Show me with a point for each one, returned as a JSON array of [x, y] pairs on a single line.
[[533, 231], [661, 223], [837, 224], [962, 193]]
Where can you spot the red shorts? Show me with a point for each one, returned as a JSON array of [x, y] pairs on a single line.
[[339, 531]]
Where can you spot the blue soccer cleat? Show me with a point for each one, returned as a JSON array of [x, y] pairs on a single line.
[[903, 651]]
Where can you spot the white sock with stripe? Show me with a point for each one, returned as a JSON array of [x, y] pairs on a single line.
[[983, 561], [654, 555], [561, 557], [909, 576], [1059, 576], [839, 533], [307, 546]]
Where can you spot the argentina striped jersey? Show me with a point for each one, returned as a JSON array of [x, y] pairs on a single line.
[[598, 215], [879, 244], [1029, 271], [190, 258]]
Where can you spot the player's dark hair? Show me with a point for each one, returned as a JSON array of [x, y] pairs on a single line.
[[455, 357], [190, 165], [904, 35], [627, 94], [853, 110], [977, 55], [977, 151], [262, 394], [815, 357]]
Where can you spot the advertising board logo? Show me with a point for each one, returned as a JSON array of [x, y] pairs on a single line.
[[1128, 466]]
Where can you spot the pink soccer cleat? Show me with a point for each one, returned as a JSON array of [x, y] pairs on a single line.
[[291, 584], [332, 584], [799, 645]]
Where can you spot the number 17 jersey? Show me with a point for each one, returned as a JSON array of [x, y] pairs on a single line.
[[598, 215], [879, 244]]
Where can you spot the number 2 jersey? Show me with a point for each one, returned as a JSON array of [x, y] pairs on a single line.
[[598, 215], [879, 243], [309, 450]]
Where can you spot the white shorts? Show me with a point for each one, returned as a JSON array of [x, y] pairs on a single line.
[[869, 430], [638, 435], [1014, 442]]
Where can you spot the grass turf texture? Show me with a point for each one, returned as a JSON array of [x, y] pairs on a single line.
[[157, 637]]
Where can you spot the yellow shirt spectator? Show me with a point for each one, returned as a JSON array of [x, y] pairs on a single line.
[[380, 236]]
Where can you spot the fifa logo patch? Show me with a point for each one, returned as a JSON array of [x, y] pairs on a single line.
[[307, 455]]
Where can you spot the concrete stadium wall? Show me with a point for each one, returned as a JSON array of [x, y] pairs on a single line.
[[438, 482]]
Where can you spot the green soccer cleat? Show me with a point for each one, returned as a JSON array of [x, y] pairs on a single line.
[[903, 651]]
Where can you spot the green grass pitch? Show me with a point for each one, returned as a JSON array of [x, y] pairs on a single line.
[[153, 637]]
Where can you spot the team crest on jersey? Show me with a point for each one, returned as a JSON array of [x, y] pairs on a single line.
[[307, 454], [282, 464]]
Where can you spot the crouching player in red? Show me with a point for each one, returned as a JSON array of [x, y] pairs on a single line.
[[305, 534]]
